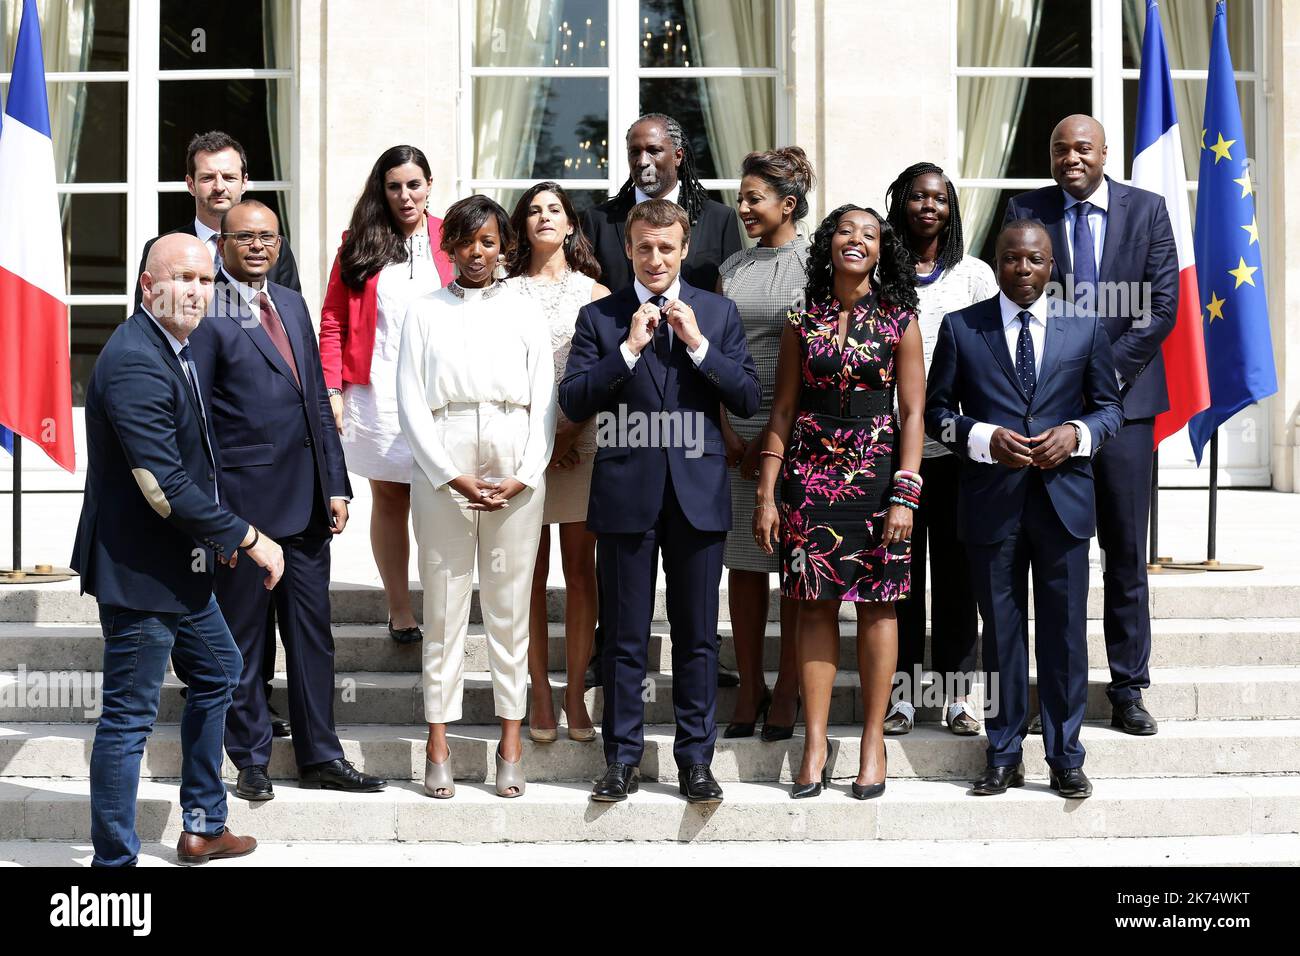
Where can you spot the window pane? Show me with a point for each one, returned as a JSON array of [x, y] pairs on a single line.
[[738, 33], [985, 208], [94, 229], [177, 209], [1017, 33], [527, 33], [91, 327], [540, 128], [101, 141], [1189, 97], [76, 37], [999, 140], [1186, 25], [723, 117], [225, 34], [582, 199], [239, 107]]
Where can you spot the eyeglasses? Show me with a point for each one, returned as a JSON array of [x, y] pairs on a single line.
[[268, 239]]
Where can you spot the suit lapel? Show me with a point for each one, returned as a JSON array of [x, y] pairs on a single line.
[[1116, 221], [251, 322], [1054, 341], [173, 362], [1054, 220], [995, 337]]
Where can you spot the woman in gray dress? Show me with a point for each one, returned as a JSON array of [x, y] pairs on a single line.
[[766, 282]]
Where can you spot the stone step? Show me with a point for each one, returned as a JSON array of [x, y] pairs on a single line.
[[1222, 693], [1229, 595], [47, 809], [1182, 748], [1176, 642]]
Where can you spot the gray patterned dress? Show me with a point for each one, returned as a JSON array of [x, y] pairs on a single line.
[[765, 283]]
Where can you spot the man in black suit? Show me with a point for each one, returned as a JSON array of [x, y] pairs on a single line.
[[655, 353], [281, 464], [1115, 256], [662, 166], [1022, 388], [216, 174], [152, 529]]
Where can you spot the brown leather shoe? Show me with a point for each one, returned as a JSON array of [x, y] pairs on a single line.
[[194, 848]]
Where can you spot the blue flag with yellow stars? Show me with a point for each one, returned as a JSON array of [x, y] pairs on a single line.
[[1234, 309]]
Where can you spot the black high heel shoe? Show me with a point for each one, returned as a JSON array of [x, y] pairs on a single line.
[[799, 791], [405, 635], [872, 789], [747, 729], [771, 733]]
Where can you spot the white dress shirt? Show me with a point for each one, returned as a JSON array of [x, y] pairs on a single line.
[[672, 292], [671, 195], [1100, 200], [209, 238], [981, 433]]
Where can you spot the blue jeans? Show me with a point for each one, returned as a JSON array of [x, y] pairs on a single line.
[[137, 645]]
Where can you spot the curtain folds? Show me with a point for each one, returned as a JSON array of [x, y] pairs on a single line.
[[278, 17]]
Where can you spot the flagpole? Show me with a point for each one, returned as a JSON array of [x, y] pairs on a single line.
[[18, 503], [1212, 563]]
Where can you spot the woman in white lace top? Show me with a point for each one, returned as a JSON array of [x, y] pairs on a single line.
[[552, 264]]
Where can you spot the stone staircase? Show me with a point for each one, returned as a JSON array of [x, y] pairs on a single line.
[[1226, 763]]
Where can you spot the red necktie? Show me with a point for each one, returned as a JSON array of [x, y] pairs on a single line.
[[271, 323]]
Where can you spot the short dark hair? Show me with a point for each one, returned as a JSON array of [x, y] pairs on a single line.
[[1025, 223], [659, 213], [467, 216], [214, 142], [248, 203]]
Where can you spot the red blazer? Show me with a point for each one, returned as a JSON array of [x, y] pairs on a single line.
[[348, 318]]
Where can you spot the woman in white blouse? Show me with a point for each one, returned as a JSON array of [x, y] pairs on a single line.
[[476, 401]]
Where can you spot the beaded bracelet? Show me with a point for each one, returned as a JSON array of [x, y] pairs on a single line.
[[771, 454], [895, 500], [910, 475]]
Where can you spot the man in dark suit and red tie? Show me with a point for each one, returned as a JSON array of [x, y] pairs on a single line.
[[1022, 388], [281, 463], [655, 360], [1115, 256]]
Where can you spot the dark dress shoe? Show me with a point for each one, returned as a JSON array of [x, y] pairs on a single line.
[[998, 779], [254, 784], [771, 733], [338, 774], [280, 727], [1132, 717], [728, 678], [1073, 784], [591, 678], [697, 785], [619, 780], [1035, 725], [194, 848], [737, 729], [405, 635]]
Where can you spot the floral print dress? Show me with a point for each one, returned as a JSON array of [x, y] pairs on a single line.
[[839, 468]]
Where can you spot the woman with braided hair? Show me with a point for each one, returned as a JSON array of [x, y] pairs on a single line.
[[923, 209]]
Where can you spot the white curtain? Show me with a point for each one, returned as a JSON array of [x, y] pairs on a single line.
[[508, 111], [67, 27], [1000, 33], [277, 45]]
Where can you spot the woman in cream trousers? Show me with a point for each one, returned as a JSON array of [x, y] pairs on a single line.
[[476, 401]]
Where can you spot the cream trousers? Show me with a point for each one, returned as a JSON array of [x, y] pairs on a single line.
[[483, 439]]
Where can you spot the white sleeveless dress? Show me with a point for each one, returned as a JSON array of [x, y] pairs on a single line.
[[567, 490]]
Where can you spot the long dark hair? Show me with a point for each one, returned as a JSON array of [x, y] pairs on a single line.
[[373, 239], [693, 195], [952, 244], [577, 248], [895, 274]]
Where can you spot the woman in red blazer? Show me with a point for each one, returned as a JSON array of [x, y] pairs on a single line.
[[389, 257]]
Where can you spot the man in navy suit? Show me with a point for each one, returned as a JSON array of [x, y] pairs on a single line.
[[1023, 389], [281, 464], [152, 529], [654, 360], [1115, 256]]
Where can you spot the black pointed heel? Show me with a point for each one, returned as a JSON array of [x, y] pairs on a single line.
[[771, 733], [735, 730], [800, 791], [872, 789]]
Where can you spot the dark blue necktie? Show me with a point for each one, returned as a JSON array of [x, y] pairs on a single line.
[[662, 346], [192, 376], [1085, 255], [1025, 357]]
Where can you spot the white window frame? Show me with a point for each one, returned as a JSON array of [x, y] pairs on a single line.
[[1108, 77], [623, 74]]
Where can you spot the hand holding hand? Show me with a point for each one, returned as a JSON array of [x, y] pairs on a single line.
[[1010, 448]]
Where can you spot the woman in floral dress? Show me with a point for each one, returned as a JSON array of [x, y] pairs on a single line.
[[848, 468]]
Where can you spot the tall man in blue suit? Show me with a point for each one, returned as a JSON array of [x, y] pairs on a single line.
[[654, 360], [1023, 389], [1115, 257], [152, 529], [282, 465]]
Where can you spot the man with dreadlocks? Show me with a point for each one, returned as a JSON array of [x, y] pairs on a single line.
[[662, 166]]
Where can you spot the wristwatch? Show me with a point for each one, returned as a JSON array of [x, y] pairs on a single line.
[[333, 391], [1078, 435]]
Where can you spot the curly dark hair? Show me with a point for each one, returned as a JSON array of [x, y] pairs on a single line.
[[577, 247], [952, 244], [467, 216], [894, 276]]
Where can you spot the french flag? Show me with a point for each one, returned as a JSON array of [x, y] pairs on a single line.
[[35, 369], [1158, 167]]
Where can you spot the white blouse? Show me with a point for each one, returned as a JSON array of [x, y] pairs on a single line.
[[491, 345]]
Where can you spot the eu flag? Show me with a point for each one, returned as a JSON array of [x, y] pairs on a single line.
[[1238, 347]]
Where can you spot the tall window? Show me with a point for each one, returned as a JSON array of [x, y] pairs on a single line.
[[129, 82], [554, 84]]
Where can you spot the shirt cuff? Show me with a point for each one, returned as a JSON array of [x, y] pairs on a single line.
[[339, 498], [628, 357], [697, 354], [977, 442], [1085, 440]]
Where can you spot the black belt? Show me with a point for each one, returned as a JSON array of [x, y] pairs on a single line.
[[863, 403]]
